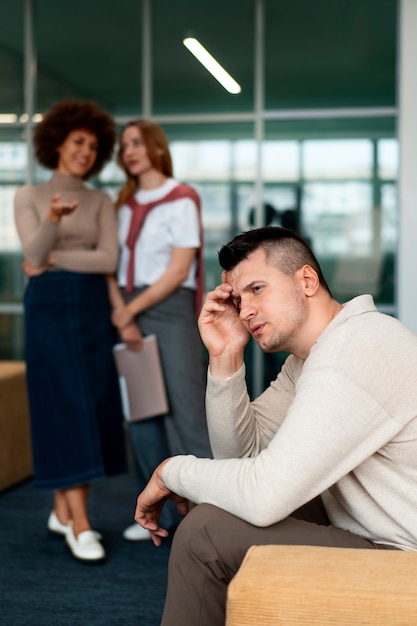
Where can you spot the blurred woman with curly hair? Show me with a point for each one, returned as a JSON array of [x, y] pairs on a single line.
[[69, 240]]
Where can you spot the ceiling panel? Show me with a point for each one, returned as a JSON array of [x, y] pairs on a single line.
[[326, 53], [226, 29], [330, 53], [90, 50], [11, 57]]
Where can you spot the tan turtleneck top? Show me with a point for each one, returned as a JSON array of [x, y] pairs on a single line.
[[84, 241]]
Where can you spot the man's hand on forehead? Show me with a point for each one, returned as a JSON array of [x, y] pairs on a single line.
[[226, 281], [227, 278]]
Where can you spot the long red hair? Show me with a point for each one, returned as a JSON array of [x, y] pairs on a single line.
[[155, 140]]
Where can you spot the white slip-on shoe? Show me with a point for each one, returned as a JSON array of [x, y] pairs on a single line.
[[86, 546], [55, 526], [135, 532]]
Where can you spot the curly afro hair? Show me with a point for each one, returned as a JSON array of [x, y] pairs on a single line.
[[66, 116]]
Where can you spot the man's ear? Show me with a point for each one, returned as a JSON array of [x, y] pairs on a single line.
[[310, 280]]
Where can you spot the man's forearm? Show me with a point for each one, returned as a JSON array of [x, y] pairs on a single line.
[[228, 414], [224, 366]]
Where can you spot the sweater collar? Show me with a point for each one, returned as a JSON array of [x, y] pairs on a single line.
[[352, 308], [356, 306], [64, 182]]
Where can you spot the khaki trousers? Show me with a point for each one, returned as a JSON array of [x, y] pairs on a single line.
[[210, 544]]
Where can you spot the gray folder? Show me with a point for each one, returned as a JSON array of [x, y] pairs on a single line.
[[141, 380]]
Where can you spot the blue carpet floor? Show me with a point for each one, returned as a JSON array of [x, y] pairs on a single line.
[[41, 584]]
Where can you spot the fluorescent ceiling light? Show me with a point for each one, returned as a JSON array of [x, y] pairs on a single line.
[[11, 118], [8, 118], [37, 117], [210, 63]]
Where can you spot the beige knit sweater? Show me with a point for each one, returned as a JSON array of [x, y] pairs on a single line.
[[84, 241], [342, 423]]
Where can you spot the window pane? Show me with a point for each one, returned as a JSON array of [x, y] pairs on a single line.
[[13, 159], [280, 161], [349, 237], [202, 160], [337, 217], [9, 241], [389, 204], [388, 158], [338, 159], [389, 235], [217, 159], [338, 203]]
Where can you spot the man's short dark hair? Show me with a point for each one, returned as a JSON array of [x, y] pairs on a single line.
[[283, 248], [66, 116]]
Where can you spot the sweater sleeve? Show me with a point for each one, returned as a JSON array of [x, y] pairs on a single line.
[[323, 437], [83, 242], [37, 235], [102, 259], [240, 428]]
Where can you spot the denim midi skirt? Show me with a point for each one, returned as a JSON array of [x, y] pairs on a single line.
[[75, 411]]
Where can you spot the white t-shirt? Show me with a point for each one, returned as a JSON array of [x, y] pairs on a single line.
[[169, 225]]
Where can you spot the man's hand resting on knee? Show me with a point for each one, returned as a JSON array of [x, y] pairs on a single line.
[[150, 502]]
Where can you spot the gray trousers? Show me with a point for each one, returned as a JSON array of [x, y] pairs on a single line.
[[174, 323], [210, 544], [184, 429]]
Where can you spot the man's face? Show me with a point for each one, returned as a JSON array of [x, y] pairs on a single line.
[[272, 306]]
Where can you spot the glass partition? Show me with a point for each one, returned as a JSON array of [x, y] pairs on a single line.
[[345, 202], [219, 161], [331, 177], [13, 162]]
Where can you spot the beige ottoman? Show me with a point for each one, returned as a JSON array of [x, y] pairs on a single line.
[[304, 585], [15, 445]]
